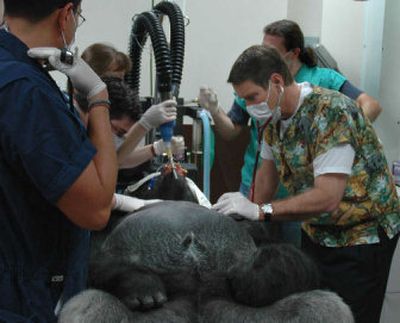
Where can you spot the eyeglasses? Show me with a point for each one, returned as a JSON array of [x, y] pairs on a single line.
[[81, 19]]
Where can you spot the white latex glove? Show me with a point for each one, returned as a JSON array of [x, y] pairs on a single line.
[[208, 99], [177, 146], [158, 114], [83, 78], [235, 203], [129, 204]]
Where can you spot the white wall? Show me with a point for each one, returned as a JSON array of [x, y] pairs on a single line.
[[388, 124], [107, 22], [308, 14], [342, 34], [373, 42], [218, 32]]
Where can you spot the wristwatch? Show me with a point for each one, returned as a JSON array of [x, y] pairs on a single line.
[[267, 211]]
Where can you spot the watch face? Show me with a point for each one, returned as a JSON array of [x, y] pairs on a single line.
[[267, 208]]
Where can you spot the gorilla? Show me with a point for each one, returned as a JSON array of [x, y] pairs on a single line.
[[155, 247], [315, 306], [176, 261]]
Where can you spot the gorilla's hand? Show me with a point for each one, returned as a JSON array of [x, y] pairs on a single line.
[[141, 291]]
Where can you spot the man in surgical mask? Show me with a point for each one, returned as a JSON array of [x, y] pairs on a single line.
[[57, 180], [327, 155], [262, 112]]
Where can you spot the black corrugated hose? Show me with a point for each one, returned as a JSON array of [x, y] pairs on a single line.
[[147, 23], [169, 61], [177, 42]]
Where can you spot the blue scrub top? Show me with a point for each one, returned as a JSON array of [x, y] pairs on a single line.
[[43, 149]]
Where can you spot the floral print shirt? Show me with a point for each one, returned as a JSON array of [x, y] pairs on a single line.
[[324, 120]]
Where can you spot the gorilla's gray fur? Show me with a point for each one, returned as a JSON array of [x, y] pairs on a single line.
[[174, 258], [280, 269], [95, 306], [316, 306], [158, 245]]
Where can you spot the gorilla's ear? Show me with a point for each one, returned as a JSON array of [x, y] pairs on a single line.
[[193, 249], [188, 240], [190, 249]]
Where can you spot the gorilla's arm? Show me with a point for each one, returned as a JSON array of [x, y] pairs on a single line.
[[314, 306]]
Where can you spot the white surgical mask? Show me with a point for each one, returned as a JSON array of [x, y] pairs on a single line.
[[262, 111]]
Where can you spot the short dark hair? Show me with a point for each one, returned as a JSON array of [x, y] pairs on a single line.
[[124, 101], [257, 63], [35, 10], [293, 38]]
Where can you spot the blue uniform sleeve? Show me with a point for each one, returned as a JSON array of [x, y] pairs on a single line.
[[238, 114], [50, 143], [350, 90]]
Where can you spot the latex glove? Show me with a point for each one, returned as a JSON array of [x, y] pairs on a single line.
[[177, 145], [158, 114], [83, 78], [208, 99], [235, 203], [129, 204]]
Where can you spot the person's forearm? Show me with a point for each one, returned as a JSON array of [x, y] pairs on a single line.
[[325, 196], [302, 206], [224, 125], [105, 160], [266, 183], [370, 106], [137, 157], [132, 139]]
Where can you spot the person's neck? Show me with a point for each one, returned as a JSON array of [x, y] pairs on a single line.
[[290, 100], [295, 67], [38, 34]]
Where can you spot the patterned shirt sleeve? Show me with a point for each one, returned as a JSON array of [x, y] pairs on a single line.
[[334, 125]]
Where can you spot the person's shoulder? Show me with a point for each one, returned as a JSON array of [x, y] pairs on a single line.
[[239, 102], [328, 72], [320, 71], [32, 92], [326, 94], [321, 76], [12, 71], [330, 102], [322, 97], [238, 112]]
